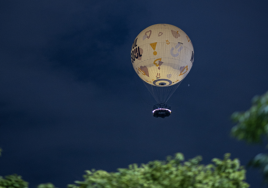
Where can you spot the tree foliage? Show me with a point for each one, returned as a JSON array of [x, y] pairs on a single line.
[[15, 181], [12, 181], [252, 125], [260, 161], [171, 173], [46, 185]]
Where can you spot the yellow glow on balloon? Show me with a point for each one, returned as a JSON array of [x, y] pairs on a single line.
[[162, 55]]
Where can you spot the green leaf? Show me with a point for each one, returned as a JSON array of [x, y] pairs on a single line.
[[171, 173]]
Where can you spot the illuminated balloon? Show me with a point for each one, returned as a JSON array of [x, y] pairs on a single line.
[[162, 55]]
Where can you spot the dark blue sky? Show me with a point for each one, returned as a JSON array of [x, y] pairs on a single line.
[[71, 101]]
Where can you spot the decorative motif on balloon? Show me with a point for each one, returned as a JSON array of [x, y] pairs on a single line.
[[175, 34], [183, 70], [147, 34], [177, 46], [136, 51], [188, 38], [153, 45], [162, 82], [160, 34], [158, 75], [192, 57], [159, 63], [167, 42], [144, 70], [137, 71]]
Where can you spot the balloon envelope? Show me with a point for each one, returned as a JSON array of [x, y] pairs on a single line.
[[162, 55]]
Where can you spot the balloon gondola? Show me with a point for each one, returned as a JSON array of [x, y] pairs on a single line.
[[162, 55], [161, 110]]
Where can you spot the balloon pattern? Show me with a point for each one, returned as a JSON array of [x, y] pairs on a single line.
[[162, 55]]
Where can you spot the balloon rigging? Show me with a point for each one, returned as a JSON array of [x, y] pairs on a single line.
[[162, 55]]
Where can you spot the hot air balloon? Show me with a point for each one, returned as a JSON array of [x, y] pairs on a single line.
[[162, 55]]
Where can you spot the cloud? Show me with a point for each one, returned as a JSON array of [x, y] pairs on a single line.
[[57, 57], [80, 37]]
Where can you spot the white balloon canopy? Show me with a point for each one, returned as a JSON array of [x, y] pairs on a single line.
[[162, 55]]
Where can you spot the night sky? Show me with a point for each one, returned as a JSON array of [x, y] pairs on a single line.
[[71, 101]]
